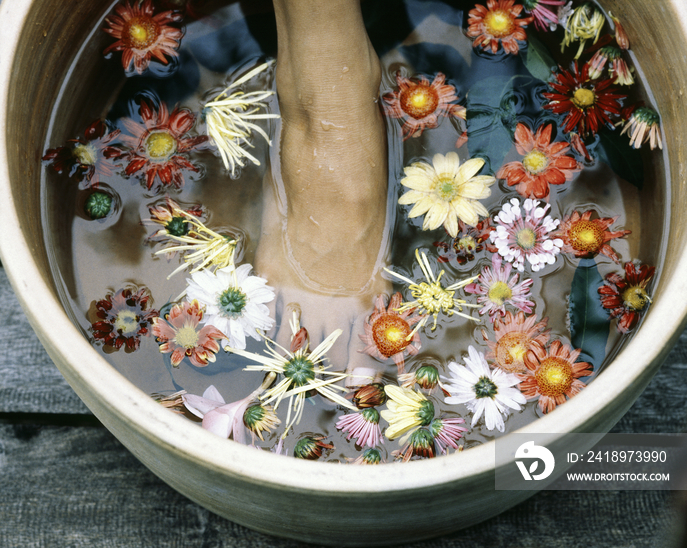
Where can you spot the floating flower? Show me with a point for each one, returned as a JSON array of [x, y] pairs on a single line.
[[158, 145], [554, 375], [302, 371], [363, 426], [515, 336], [98, 205], [499, 22], [311, 447], [406, 411], [89, 159], [220, 418], [141, 35], [426, 376], [544, 163], [586, 237], [620, 34], [201, 246], [495, 290], [179, 334], [124, 317], [544, 18], [518, 238], [171, 224], [469, 241], [586, 103], [421, 104], [229, 119], [369, 456], [259, 418], [420, 444], [584, 24], [234, 302], [389, 333], [446, 433], [431, 298], [644, 126], [618, 67], [484, 391], [627, 298], [370, 395]]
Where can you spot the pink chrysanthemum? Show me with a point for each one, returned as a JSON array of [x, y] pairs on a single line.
[[496, 290], [519, 237], [554, 375], [159, 144], [586, 237], [627, 298], [497, 23], [363, 426], [446, 433], [179, 334], [389, 334], [544, 18], [141, 35], [516, 335], [421, 104]]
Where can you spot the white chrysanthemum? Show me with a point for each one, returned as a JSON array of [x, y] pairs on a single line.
[[484, 391], [446, 191], [234, 302], [519, 237]]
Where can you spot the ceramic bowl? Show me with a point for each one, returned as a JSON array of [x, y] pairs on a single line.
[[312, 501]]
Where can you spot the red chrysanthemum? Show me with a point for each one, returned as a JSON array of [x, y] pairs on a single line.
[[554, 375], [124, 318], [468, 241], [388, 332], [178, 333], [420, 104], [497, 23], [586, 237], [142, 35], [89, 159], [158, 144], [516, 335], [626, 298], [585, 102], [544, 163]]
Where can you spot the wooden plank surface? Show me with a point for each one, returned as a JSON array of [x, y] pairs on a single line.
[[65, 484]]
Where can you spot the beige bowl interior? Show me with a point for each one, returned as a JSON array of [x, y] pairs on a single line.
[[317, 502]]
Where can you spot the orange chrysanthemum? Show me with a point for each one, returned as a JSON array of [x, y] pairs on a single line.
[[420, 104], [141, 35], [516, 335], [587, 237], [544, 163], [497, 23], [553, 375], [389, 334]]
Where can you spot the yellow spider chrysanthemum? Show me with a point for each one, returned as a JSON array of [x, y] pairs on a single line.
[[585, 23], [229, 119], [446, 191]]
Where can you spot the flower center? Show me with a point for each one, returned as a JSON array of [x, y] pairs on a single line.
[[232, 302], [389, 333], [554, 377], [253, 415], [419, 101], [635, 297], [583, 98], [526, 238], [85, 154], [140, 32], [425, 413], [300, 370], [126, 322], [432, 297], [467, 244], [177, 227], [485, 388], [187, 337], [535, 162], [446, 187], [160, 145], [499, 23], [370, 415], [511, 350], [499, 293], [586, 236]]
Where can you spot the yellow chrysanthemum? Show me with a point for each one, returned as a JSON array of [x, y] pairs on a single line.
[[446, 191], [406, 410]]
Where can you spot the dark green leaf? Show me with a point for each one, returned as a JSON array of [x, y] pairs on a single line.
[[537, 59], [615, 150], [589, 321]]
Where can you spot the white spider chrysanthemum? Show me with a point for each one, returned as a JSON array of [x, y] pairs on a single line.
[[484, 391], [234, 302], [230, 120], [302, 371]]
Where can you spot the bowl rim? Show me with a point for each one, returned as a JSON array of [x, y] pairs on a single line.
[[158, 425]]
